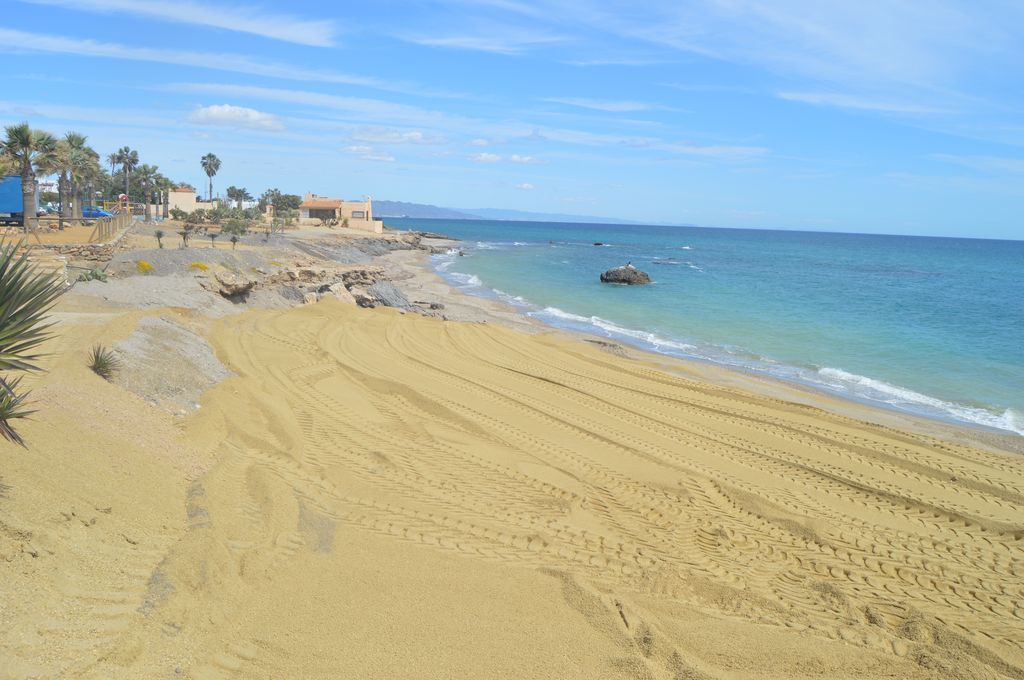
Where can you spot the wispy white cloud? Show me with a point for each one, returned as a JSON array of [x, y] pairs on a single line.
[[25, 42], [526, 160], [479, 142], [610, 105], [379, 135], [239, 18], [525, 186], [616, 61], [495, 42], [362, 109], [852, 101], [485, 158], [368, 153], [227, 115]]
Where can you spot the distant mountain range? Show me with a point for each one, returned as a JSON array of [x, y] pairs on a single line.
[[423, 211]]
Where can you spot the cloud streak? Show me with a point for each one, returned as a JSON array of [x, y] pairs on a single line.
[[851, 101], [22, 41], [609, 105], [239, 18]]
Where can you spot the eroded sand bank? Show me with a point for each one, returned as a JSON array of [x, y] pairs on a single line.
[[373, 494]]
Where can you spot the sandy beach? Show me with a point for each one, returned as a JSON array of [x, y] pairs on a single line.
[[324, 490]]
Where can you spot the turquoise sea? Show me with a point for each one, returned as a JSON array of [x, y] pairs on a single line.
[[934, 326]]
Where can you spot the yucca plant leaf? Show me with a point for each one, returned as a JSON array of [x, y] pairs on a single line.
[[26, 295], [12, 407]]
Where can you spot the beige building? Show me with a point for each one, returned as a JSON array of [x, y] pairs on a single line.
[[357, 214], [185, 199]]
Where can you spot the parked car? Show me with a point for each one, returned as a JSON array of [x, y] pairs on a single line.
[[91, 212]]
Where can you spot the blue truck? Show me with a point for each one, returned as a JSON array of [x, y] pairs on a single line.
[[12, 210]]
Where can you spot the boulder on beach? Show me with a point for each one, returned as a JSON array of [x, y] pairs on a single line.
[[626, 274]]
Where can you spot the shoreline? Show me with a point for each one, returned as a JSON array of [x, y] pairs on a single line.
[[496, 310]]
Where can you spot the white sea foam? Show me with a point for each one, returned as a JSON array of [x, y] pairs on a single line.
[[465, 280], [685, 247], [894, 395], [611, 329]]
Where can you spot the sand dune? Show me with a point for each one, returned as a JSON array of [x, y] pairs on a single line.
[[397, 496]]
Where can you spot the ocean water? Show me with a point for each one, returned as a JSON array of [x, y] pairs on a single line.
[[933, 326]]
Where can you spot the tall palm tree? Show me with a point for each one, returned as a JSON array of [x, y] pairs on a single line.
[[87, 173], [147, 175], [113, 159], [163, 185], [129, 160], [70, 159], [32, 151], [211, 164]]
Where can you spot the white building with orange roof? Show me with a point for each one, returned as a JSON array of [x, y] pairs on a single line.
[[352, 214]]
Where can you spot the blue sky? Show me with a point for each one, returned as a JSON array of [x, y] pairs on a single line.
[[896, 117]]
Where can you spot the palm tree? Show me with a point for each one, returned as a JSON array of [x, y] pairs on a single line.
[[73, 161], [129, 160], [147, 176], [88, 172], [113, 159], [163, 186], [31, 150], [211, 164], [63, 162], [28, 295]]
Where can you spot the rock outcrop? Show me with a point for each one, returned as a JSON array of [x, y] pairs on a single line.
[[233, 285], [626, 274]]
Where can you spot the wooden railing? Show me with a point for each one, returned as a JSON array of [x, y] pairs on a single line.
[[102, 228]]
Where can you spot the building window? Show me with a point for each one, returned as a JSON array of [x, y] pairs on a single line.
[[359, 214]]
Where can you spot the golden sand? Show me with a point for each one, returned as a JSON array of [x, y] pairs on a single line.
[[390, 495]]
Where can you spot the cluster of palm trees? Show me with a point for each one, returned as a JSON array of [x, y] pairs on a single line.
[[31, 153]]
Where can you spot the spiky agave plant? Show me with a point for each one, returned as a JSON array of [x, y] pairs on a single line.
[[26, 295]]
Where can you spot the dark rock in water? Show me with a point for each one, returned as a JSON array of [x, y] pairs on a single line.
[[598, 243], [627, 274]]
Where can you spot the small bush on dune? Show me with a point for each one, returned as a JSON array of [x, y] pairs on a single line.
[[103, 362], [143, 267], [94, 274]]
